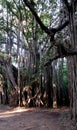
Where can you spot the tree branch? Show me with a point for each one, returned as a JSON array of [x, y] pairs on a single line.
[[50, 31], [54, 57], [43, 27], [59, 54], [62, 26], [67, 4]]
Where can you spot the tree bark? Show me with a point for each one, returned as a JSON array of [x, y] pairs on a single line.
[[74, 61], [49, 85], [54, 83]]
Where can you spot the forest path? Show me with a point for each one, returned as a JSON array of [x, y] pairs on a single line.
[[34, 119]]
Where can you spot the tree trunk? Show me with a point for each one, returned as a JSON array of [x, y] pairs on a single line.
[[70, 83], [49, 85], [74, 59], [54, 84], [9, 72]]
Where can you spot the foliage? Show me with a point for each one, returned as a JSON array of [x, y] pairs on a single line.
[[23, 39]]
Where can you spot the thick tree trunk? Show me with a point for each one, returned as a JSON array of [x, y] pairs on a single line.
[[9, 72], [49, 85], [74, 61]]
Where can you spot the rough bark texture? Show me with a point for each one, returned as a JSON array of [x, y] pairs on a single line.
[[74, 61], [49, 85]]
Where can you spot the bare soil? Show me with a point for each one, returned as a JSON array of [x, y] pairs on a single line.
[[35, 119]]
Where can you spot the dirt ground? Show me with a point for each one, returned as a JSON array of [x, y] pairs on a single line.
[[35, 119]]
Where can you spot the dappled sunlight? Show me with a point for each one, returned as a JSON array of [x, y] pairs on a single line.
[[21, 118], [13, 112]]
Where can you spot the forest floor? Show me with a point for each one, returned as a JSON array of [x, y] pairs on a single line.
[[35, 119]]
